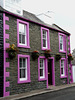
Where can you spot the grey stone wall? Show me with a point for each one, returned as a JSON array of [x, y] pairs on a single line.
[[54, 44], [35, 44], [1, 55], [34, 36]]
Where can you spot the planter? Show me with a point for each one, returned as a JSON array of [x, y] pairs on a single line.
[[57, 57], [12, 54], [35, 55], [47, 55], [12, 51], [70, 58]]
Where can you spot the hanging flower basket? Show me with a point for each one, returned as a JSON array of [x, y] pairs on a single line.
[[12, 51], [70, 58], [57, 56], [35, 54], [47, 53]]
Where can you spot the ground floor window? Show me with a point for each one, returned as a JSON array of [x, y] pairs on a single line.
[[41, 68], [23, 68], [63, 67]]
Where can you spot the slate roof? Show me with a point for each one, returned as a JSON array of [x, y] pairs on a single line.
[[34, 18]]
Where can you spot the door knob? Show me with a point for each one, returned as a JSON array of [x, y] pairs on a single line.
[[48, 73]]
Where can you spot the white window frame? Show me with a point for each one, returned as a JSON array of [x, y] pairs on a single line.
[[44, 38], [25, 33], [22, 79], [61, 42], [43, 68]]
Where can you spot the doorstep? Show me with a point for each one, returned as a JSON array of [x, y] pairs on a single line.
[[37, 92]]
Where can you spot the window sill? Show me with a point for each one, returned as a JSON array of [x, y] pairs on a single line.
[[63, 76], [45, 48], [23, 46], [42, 79], [25, 81], [62, 51]]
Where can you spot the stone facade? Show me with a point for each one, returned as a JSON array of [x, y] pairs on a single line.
[[35, 44]]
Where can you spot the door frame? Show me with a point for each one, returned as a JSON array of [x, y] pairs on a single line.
[[53, 71]]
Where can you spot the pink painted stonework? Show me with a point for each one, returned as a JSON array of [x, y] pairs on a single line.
[[6, 64]]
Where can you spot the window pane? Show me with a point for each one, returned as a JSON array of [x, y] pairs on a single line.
[[61, 42], [44, 32], [21, 28], [19, 38], [61, 38], [44, 36], [23, 39], [24, 62], [44, 43], [22, 73], [61, 70], [20, 62], [41, 72], [61, 46], [41, 62]]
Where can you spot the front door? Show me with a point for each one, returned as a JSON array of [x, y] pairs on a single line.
[[50, 72], [73, 70]]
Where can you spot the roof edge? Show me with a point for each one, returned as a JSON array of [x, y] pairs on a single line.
[[7, 12]]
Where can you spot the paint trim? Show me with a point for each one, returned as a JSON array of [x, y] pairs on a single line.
[[64, 44], [28, 69], [41, 79], [6, 64], [27, 33], [70, 65], [65, 76], [48, 39]]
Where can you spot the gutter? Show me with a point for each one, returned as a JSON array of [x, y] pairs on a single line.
[[33, 22]]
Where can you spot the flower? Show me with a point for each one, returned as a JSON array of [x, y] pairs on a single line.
[[36, 51], [47, 51], [69, 54]]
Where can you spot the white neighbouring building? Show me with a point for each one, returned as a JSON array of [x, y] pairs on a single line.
[[13, 6]]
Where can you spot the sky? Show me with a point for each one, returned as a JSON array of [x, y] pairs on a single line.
[[64, 13]]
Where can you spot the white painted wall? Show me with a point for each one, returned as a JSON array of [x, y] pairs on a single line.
[[73, 70], [47, 17], [12, 6]]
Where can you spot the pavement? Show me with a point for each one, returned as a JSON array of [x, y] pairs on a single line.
[[37, 92]]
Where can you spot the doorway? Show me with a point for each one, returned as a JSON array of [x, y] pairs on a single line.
[[51, 72]]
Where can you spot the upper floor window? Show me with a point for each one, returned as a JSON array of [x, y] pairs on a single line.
[[23, 68], [62, 42], [23, 34], [45, 42], [63, 67]]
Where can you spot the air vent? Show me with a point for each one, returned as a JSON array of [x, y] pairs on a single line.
[[18, 11]]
